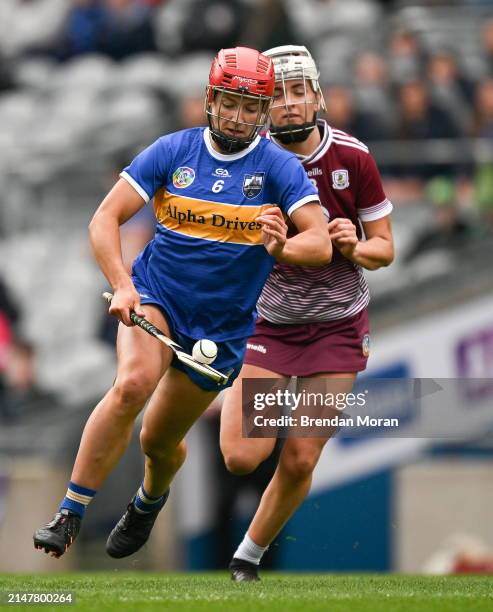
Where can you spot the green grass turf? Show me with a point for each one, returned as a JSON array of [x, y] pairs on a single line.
[[215, 592]]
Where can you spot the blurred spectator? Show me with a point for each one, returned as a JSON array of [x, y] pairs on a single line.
[[126, 29], [221, 25], [9, 316], [81, 30], [487, 43], [450, 90], [342, 115], [372, 93], [484, 171], [117, 28], [419, 119], [21, 396], [405, 56], [450, 229], [340, 108], [484, 110], [269, 25], [187, 26], [484, 192]]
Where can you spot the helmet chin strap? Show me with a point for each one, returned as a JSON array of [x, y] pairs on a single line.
[[227, 144], [294, 132]]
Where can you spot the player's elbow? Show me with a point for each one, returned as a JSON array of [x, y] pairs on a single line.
[[383, 261], [100, 223], [391, 253], [388, 255], [387, 261], [94, 223]]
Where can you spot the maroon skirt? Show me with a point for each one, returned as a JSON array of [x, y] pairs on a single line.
[[311, 348]]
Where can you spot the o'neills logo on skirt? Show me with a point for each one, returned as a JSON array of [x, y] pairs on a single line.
[[210, 220]]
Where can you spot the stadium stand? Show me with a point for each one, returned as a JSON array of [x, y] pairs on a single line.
[[71, 107], [65, 121]]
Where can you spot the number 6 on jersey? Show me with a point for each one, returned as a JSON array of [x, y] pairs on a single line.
[[218, 185]]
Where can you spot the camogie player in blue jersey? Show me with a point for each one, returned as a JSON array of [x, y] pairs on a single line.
[[220, 194]]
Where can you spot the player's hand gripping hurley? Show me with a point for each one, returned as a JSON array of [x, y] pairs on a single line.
[[185, 358]]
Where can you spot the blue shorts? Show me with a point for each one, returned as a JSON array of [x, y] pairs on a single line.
[[230, 353]]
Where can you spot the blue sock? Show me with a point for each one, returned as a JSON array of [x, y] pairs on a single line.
[[77, 498], [144, 503]]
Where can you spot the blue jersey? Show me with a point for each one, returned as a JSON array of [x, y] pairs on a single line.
[[207, 262]]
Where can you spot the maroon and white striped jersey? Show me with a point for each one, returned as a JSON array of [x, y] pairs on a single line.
[[349, 186]]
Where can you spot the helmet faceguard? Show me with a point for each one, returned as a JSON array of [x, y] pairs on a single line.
[[293, 62], [241, 84]]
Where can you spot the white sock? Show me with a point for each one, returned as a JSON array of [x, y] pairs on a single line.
[[249, 551]]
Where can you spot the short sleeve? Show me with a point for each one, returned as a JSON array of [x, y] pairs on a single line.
[[372, 204], [293, 187], [148, 171]]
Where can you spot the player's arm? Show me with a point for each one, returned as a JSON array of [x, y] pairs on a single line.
[[297, 197], [374, 252], [374, 213], [310, 247], [121, 203]]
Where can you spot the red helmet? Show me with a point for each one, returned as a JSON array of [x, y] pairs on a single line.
[[247, 74]]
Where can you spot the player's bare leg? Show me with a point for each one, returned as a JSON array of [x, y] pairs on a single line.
[[242, 455], [292, 479], [141, 363], [288, 487], [175, 405]]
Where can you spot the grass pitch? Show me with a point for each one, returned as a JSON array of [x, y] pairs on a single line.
[[288, 592]]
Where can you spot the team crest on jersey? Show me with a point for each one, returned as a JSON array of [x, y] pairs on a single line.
[[340, 179], [365, 345], [183, 177], [252, 184]]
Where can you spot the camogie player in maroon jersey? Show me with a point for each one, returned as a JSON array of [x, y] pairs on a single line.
[[313, 322]]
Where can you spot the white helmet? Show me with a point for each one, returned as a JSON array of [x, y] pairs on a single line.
[[296, 62]]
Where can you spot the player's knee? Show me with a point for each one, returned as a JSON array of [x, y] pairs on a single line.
[[240, 463], [299, 466], [175, 458], [134, 388], [179, 454], [161, 452]]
